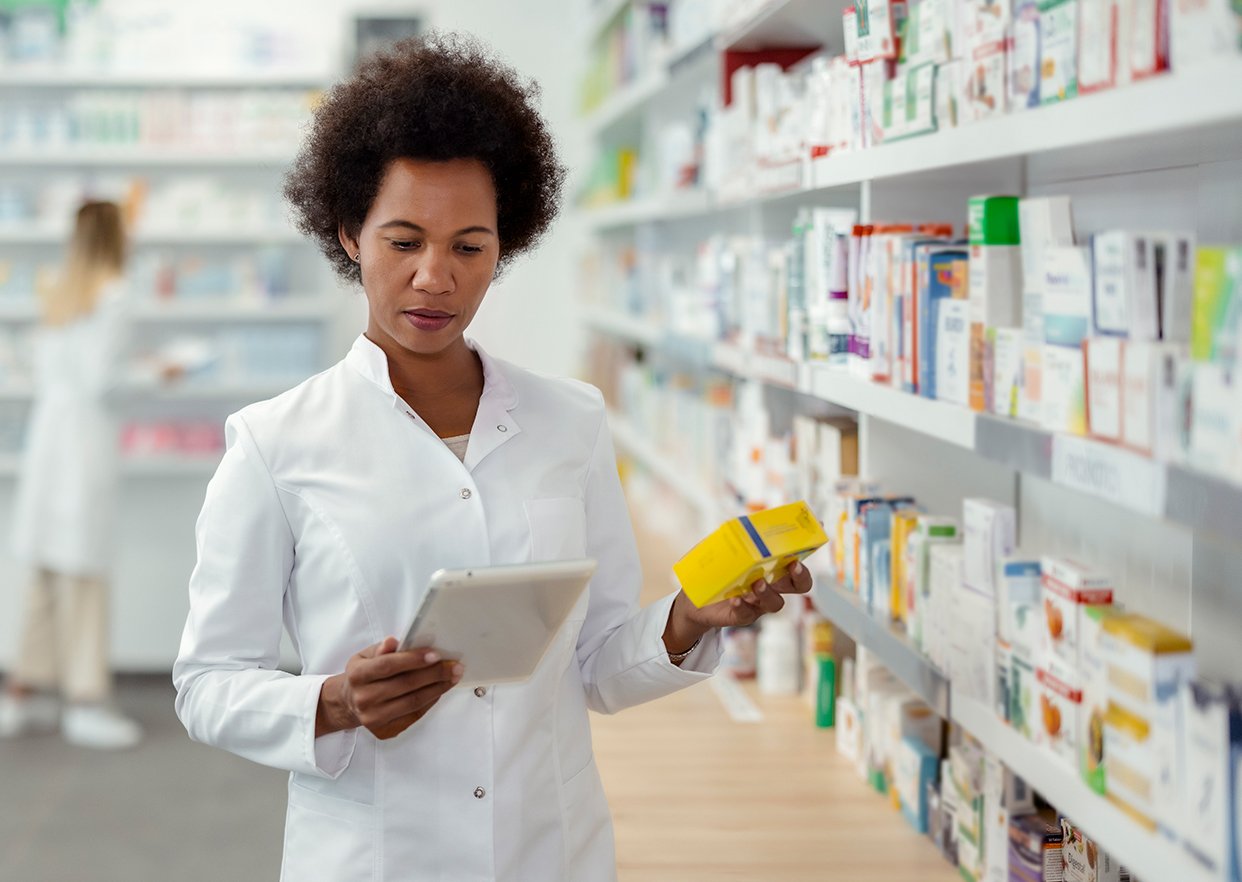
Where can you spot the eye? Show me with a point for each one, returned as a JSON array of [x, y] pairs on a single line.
[[403, 244], [470, 249]]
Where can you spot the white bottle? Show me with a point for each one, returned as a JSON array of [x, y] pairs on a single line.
[[778, 655]]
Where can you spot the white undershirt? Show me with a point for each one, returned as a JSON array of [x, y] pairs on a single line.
[[458, 444]]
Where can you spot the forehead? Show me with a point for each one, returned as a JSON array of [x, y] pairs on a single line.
[[453, 194]]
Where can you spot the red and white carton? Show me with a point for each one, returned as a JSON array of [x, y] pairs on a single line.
[[1066, 587], [1056, 719], [1145, 36]]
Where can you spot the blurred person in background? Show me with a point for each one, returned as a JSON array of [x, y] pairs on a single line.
[[66, 497]]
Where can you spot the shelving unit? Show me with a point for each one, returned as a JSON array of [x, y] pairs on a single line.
[[292, 308], [631, 442], [179, 235]]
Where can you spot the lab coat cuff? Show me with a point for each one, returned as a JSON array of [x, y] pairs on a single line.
[[699, 664], [328, 755]]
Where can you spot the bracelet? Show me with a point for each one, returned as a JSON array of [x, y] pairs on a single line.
[[677, 657]]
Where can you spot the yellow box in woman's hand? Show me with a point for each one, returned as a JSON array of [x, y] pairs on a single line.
[[746, 549]]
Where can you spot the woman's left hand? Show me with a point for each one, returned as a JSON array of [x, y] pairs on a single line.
[[687, 623]]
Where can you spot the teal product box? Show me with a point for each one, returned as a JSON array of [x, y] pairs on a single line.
[[875, 553], [1067, 294], [914, 769], [939, 283]]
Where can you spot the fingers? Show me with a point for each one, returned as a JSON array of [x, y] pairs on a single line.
[[378, 692], [385, 646], [411, 706], [387, 662], [763, 597]]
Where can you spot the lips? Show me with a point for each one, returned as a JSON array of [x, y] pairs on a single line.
[[428, 319]]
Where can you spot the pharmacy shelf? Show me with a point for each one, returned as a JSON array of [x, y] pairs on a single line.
[[630, 441], [144, 157], [291, 309], [666, 207], [888, 643], [140, 467], [627, 102], [1121, 119], [243, 392], [767, 24], [1206, 503], [56, 78], [11, 235], [1114, 830]]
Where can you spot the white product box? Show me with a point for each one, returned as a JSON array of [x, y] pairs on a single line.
[[1023, 704], [1058, 50], [1094, 696], [946, 575], [996, 285], [987, 24], [1104, 388], [1019, 617], [985, 85], [1175, 270], [1024, 56], [972, 645], [1200, 30], [929, 33], [953, 351], [1213, 731], [1125, 286], [1217, 416], [1148, 40], [950, 95], [1068, 586], [1004, 795], [1130, 764], [989, 531], [1006, 360], [1063, 405], [1097, 45], [849, 730], [920, 100], [1045, 222], [1060, 701], [1066, 292], [879, 28], [1030, 401]]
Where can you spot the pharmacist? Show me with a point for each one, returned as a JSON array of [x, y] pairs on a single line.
[[422, 176]]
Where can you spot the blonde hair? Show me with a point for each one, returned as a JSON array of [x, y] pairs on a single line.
[[96, 256]]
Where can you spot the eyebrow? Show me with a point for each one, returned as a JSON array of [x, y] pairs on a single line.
[[410, 225]]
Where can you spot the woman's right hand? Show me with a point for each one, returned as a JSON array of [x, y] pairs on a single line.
[[385, 691]]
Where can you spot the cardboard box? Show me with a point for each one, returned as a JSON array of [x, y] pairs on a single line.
[[952, 346], [930, 532], [905, 522], [1175, 284], [1063, 392], [989, 534], [849, 730], [1098, 38], [985, 83], [1149, 37], [1005, 346], [1019, 616], [1125, 296], [1060, 703], [941, 273], [1044, 222], [995, 279], [1129, 765], [1084, 860], [1215, 316], [914, 768], [1024, 74], [1067, 295], [972, 645], [879, 24], [1058, 56], [946, 576], [1213, 736], [1034, 849], [1104, 368], [1067, 587], [1201, 30], [1094, 696], [1024, 711], [1217, 417]]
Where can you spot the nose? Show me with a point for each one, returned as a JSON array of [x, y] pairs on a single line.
[[433, 273]]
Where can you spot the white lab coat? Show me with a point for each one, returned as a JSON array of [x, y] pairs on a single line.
[[332, 507], [67, 482]]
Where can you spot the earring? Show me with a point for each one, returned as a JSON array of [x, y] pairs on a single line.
[[357, 258]]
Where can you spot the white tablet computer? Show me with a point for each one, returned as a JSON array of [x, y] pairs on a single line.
[[499, 621]]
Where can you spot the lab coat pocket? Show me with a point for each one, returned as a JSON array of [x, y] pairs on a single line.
[[327, 837], [557, 528]]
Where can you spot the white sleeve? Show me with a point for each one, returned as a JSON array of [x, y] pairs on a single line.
[[229, 692], [621, 647]]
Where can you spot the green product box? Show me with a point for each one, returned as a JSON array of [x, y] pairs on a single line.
[[993, 220], [1058, 56], [1216, 310]]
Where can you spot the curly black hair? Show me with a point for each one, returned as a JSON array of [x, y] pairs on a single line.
[[436, 98]]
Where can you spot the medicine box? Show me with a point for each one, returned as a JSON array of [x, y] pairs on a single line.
[[1058, 56], [1149, 37], [1067, 587], [986, 94], [1005, 348], [915, 767], [972, 645], [1200, 30], [849, 730], [746, 549], [1104, 366], [1060, 703], [905, 522], [1175, 283], [1034, 848], [1214, 426], [1063, 390], [1094, 697], [1216, 308], [1212, 717], [989, 533], [946, 576], [1066, 295], [1024, 72], [1124, 302], [1023, 706], [952, 347], [1084, 860], [1019, 618], [1130, 765], [995, 278], [1098, 37]]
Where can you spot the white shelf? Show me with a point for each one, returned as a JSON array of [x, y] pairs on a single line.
[[1149, 855], [618, 324], [141, 467], [224, 392], [629, 440], [59, 78], [179, 235], [669, 206], [627, 102], [143, 157], [289, 309]]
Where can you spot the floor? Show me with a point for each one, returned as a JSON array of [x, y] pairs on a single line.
[[695, 796]]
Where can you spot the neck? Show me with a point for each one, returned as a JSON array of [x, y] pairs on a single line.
[[421, 378]]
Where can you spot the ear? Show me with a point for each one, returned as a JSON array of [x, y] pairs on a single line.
[[348, 242]]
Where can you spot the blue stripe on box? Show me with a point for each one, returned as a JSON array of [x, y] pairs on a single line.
[[754, 536]]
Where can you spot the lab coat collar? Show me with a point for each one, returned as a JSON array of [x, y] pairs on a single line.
[[493, 424]]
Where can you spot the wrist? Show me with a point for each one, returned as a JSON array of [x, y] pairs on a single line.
[[333, 713], [682, 631]]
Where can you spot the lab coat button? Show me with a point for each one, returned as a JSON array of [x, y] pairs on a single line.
[[480, 691], [465, 493], [479, 793], [502, 428]]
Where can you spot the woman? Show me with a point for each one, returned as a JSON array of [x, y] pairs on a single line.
[[422, 176], [66, 495]]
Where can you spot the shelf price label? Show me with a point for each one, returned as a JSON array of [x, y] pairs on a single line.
[[1111, 473]]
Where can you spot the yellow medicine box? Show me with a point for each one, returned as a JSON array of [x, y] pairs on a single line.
[[746, 549]]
